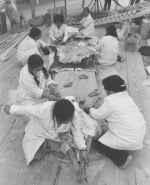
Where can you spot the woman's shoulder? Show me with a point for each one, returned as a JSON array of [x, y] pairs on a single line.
[[119, 95], [25, 76]]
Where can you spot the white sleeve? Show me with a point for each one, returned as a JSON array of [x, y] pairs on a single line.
[[102, 112], [33, 89], [30, 110], [89, 125], [41, 43]]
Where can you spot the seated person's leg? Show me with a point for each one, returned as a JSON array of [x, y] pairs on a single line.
[[43, 150], [145, 50], [119, 157]]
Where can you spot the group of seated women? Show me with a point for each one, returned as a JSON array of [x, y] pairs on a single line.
[[67, 122]]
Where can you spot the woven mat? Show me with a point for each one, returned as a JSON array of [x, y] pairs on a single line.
[[9, 42]]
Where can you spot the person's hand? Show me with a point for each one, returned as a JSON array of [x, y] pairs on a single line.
[[84, 107], [46, 93], [98, 103], [6, 109], [53, 90], [52, 85]]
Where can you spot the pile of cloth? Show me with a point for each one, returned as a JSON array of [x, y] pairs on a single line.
[[75, 52]]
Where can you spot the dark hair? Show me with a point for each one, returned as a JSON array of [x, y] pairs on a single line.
[[114, 83], [63, 111], [36, 61], [35, 32], [58, 18], [111, 30]]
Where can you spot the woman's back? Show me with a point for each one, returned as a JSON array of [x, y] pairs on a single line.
[[126, 122], [109, 47]]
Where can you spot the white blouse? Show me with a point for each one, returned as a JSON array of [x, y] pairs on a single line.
[[109, 50], [28, 91], [27, 48], [89, 26], [42, 126], [126, 123]]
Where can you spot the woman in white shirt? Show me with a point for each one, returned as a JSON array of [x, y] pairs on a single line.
[[108, 52], [126, 124], [34, 83], [87, 23], [62, 122], [60, 32], [109, 47], [31, 45]]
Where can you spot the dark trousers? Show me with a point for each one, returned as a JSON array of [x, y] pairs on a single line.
[[107, 5], [119, 157], [145, 50]]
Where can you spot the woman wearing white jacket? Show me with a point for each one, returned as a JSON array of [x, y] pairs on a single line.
[[34, 83], [126, 124], [30, 45], [62, 122]]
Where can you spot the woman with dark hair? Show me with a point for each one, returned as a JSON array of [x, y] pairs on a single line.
[[126, 124], [60, 32], [31, 45], [34, 83], [108, 48], [60, 123]]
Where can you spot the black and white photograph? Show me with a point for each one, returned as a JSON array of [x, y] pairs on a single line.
[[74, 92]]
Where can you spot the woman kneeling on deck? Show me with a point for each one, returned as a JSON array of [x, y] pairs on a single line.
[[35, 84], [32, 44], [61, 122], [108, 48], [126, 125]]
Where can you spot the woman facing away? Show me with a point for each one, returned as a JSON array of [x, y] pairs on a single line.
[[34, 83], [61, 123], [126, 124], [59, 32], [108, 51], [32, 44], [109, 47]]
